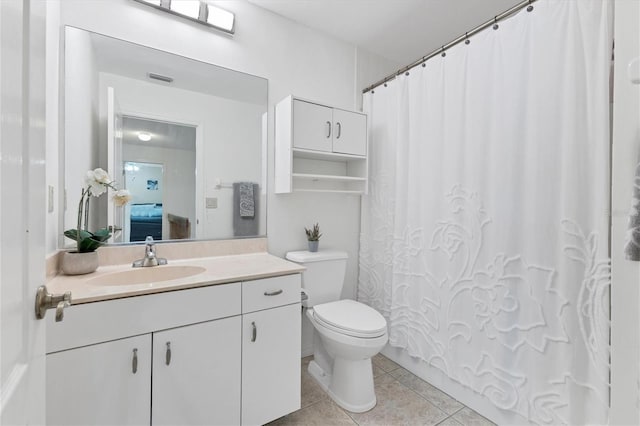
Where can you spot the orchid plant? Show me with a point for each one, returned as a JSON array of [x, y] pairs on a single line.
[[97, 182]]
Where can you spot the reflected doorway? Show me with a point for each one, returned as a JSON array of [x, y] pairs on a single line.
[[159, 167]]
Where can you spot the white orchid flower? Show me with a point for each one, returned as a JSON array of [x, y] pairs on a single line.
[[97, 180], [121, 197]]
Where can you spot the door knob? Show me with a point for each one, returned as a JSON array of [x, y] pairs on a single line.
[[46, 300]]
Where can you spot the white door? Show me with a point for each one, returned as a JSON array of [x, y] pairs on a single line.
[[22, 210], [312, 126], [270, 364], [196, 374], [115, 215], [104, 384], [350, 132]]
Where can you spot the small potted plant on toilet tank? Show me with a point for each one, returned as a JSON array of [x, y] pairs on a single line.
[[313, 237]]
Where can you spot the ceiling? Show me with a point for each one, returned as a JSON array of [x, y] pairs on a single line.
[[163, 134], [399, 30]]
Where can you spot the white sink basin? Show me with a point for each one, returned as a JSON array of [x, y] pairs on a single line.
[[148, 275]]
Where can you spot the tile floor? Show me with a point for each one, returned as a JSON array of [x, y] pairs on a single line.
[[403, 399]]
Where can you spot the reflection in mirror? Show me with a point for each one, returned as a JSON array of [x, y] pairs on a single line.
[[187, 138]]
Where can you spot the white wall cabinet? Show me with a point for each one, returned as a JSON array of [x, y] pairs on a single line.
[[195, 345], [319, 148]]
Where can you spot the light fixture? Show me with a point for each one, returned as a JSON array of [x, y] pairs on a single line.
[[220, 18], [198, 11], [190, 8], [144, 136]]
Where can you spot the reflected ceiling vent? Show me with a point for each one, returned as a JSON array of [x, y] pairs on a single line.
[[160, 77]]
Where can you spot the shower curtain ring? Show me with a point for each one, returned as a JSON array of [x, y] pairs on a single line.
[[530, 7], [466, 38], [495, 23]]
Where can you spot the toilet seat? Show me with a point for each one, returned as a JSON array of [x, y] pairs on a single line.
[[350, 318]]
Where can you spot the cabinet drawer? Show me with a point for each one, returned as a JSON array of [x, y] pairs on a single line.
[[130, 316], [270, 292]]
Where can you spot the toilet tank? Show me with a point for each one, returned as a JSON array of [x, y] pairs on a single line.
[[324, 277]]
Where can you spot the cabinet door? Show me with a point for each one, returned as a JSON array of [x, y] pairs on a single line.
[[196, 374], [312, 126], [104, 384], [270, 364], [349, 132]]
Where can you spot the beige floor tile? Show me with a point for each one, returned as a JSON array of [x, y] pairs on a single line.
[[384, 363], [449, 421], [377, 371], [468, 417], [323, 413], [398, 405], [428, 391], [310, 391]]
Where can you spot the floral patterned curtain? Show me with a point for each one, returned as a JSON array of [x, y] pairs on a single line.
[[485, 231]]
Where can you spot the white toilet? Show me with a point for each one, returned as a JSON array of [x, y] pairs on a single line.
[[348, 333]]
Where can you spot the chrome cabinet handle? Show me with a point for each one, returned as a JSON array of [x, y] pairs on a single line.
[[134, 361], [339, 130], [273, 293], [167, 357], [254, 332], [328, 129]]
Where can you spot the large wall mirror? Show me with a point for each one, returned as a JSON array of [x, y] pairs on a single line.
[[186, 138]]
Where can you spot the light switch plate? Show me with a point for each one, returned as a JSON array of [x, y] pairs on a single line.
[[50, 199], [212, 203]]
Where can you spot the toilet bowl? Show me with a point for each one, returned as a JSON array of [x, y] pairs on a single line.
[[343, 351], [346, 333]]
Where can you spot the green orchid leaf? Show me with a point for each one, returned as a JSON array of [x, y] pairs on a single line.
[[73, 234], [102, 234]]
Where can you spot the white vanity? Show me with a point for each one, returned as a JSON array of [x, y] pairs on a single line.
[[218, 347]]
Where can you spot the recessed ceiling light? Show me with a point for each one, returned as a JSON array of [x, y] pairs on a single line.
[[144, 136]]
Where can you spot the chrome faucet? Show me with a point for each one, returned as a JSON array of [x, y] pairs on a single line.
[[150, 258]]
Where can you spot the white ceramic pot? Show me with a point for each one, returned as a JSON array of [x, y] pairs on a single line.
[[74, 263], [313, 245]]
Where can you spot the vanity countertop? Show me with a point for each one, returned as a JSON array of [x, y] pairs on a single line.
[[217, 270]]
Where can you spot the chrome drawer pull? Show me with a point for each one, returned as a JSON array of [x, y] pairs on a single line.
[[339, 129], [134, 361], [168, 354], [273, 293], [328, 129], [254, 332]]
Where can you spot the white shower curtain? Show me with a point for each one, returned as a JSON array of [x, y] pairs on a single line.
[[485, 231]]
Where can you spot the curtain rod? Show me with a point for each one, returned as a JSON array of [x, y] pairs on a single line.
[[464, 37]]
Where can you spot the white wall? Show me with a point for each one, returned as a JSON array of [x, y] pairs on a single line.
[[625, 328], [52, 59]]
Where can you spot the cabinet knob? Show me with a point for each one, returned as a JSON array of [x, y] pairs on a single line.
[[339, 130], [134, 361], [167, 357], [328, 129], [254, 332]]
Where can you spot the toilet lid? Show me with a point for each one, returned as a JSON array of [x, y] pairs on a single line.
[[351, 318]]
